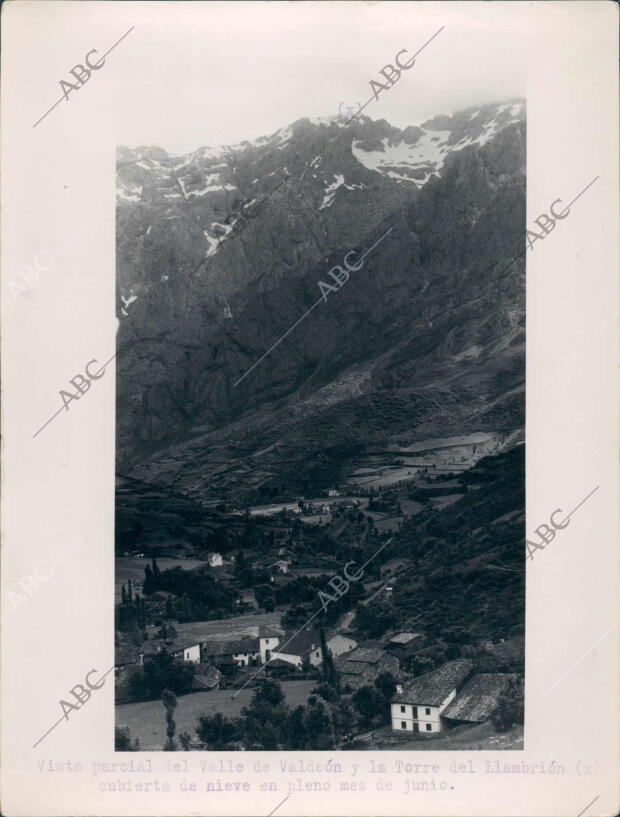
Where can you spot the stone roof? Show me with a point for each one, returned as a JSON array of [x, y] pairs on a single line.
[[478, 698], [365, 655], [432, 688], [206, 676], [127, 654], [403, 638], [300, 643], [244, 645], [358, 673]]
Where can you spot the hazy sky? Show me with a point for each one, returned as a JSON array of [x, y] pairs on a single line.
[[217, 73]]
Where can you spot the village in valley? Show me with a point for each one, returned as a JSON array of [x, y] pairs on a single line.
[[224, 639]]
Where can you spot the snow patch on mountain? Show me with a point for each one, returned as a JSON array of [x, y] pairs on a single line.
[[330, 190], [421, 150], [127, 302], [130, 194], [404, 162]]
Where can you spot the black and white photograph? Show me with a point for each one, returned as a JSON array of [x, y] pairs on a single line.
[[309, 335], [320, 417]]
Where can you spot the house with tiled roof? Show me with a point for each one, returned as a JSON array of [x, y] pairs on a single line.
[[185, 648], [247, 599], [405, 644], [299, 647], [363, 666], [478, 698], [242, 652], [206, 677], [420, 704], [339, 644]]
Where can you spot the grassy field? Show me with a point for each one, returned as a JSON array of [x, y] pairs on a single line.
[[146, 719], [222, 629], [461, 738]]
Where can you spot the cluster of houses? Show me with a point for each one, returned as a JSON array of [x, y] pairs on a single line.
[[450, 695], [223, 654]]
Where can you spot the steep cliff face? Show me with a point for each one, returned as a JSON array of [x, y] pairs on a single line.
[[428, 336]]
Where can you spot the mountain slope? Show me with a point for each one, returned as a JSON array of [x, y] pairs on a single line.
[[427, 337]]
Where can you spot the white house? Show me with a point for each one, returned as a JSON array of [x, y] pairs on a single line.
[[419, 706], [245, 652], [267, 645], [303, 645], [192, 653], [242, 652], [186, 648], [333, 492], [215, 559]]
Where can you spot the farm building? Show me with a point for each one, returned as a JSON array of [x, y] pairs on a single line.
[[363, 665], [304, 645], [339, 644], [478, 699], [418, 708]]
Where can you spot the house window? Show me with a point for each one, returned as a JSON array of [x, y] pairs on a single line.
[[428, 711], [403, 724], [415, 711], [428, 727], [402, 709]]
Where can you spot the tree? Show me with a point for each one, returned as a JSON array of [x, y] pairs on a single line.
[[344, 719], [185, 739], [122, 740], [386, 684], [509, 709], [159, 673], [296, 729], [268, 691], [217, 731], [329, 668], [326, 691], [149, 584], [375, 618], [169, 700], [319, 724], [369, 702]]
